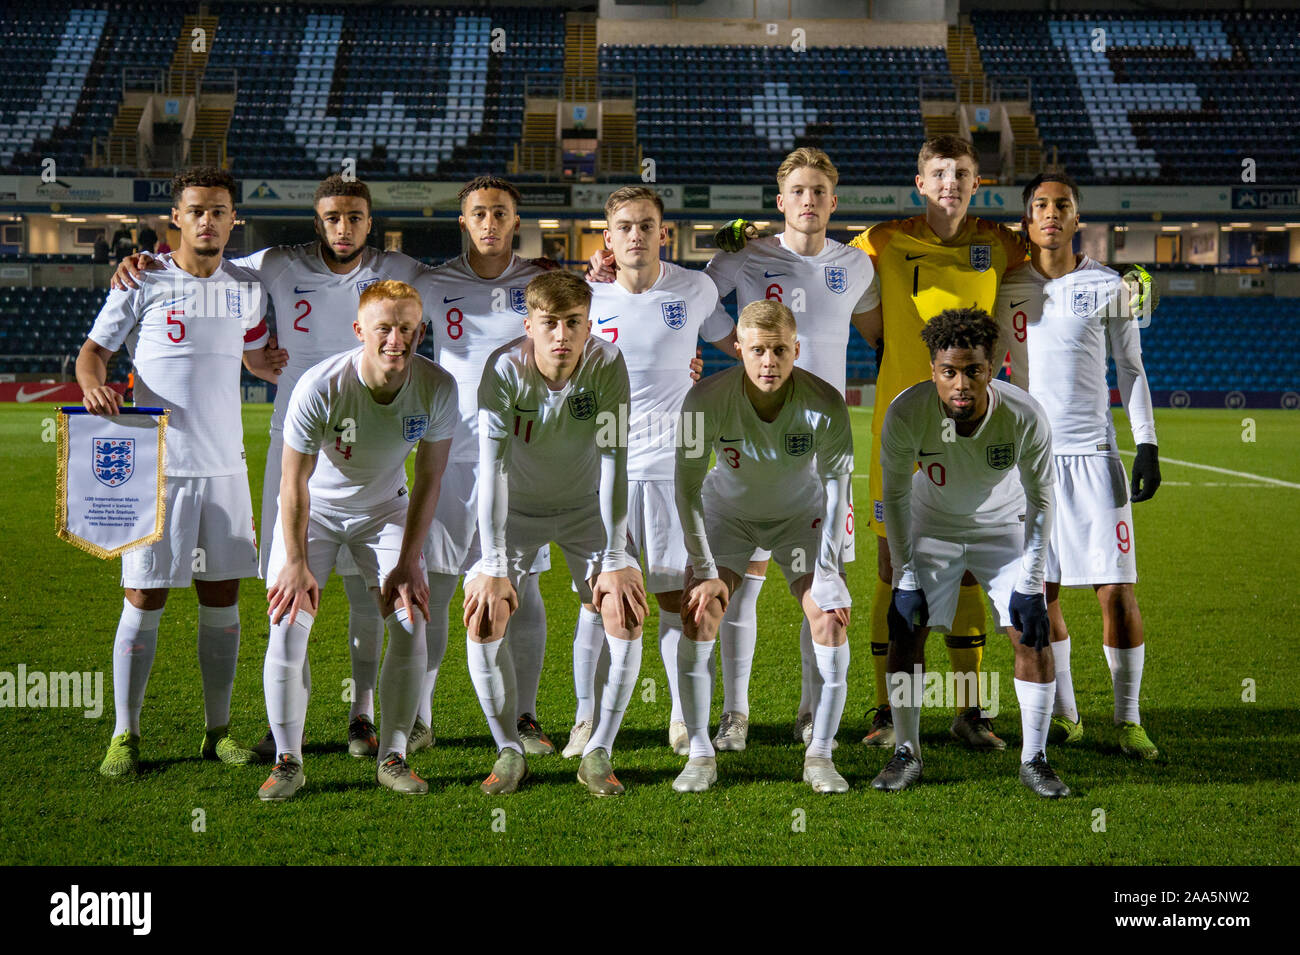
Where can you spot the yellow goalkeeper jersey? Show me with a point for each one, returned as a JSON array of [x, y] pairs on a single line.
[[920, 276]]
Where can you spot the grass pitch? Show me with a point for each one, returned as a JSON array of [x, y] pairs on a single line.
[[1217, 592]]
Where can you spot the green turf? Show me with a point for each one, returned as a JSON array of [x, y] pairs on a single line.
[[1218, 596]]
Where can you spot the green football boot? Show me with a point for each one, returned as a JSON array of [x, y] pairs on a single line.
[[123, 756]]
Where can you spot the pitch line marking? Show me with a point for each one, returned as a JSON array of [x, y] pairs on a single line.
[[1210, 467]]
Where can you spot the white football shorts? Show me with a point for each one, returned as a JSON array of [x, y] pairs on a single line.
[[579, 533], [453, 545], [991, 554], [1092, 526], [847, 556], [792, 542], [208, 535], [374, 540], [654, 528]]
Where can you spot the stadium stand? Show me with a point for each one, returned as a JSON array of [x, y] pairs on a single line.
[[1169, 100]]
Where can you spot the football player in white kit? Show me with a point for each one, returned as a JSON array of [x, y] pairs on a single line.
[[829, 286], [784, 451], [552, 468], [314, 288], [476, 304], [964, 509], [1062, 317], [374, 403], [186, 327], [656, 312]]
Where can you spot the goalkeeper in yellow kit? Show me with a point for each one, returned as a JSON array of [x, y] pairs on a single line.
[[926, 264]]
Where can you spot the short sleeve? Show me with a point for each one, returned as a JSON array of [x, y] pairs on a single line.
[[718, 325], [874, 240], [116, 319], [307, 417], [724, 268], [870, 296], [446, 409]]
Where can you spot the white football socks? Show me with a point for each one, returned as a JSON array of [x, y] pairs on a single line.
[[286, 682], [1064, 704], [492, 672], [442, 587], [810, 683], [134, 647], [624, 667], [670, 634], [527, 636], [1035, 716], [218, 647], [696, 676], [400, 680], [736, 638], [905, 694], [588, 639], [365, 643], [1126, 678], [833, 671]]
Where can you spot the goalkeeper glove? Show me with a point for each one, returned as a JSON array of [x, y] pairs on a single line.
[[1146, 473], [733, 236], [1029, 616], [908, 609], [1144, 292]]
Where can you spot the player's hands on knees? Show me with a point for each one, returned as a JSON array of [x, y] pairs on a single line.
[[908, 609], [627, 587], [276, 356], [698, 594], [1146, 473], [483, 594], [601, 267], [1029, 616], [408, 585], [131, 268], [102, 400], [294, 589]]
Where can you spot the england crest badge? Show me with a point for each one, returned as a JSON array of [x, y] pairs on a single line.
[[365, 284], [797, 444], [1000, 456], [981, 257], [114, 460], [582, 405], [517, 300], [674, 314], [1083, 301], [837, 279], [414, 426], [234, 304]]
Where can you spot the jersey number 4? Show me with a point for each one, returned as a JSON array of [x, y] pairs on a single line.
[[345, 451]]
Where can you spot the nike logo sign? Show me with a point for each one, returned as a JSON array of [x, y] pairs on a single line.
[[447, 301], [772, 275], [173, 301], [302, 291], [929, 454], [525, 410], [1019, 303], [36, 395], [730, 440], [340, 427], [910, 257], [602, 321]]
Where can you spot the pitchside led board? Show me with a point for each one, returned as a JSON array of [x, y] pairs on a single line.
[[111, 479]]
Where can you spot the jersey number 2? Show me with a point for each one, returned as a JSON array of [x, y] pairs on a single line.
[[298, 326]]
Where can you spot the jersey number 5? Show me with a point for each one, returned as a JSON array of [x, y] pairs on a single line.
[[171, 332]]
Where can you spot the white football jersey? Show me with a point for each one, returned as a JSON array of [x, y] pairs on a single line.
[[315, 307], [1070, 323], [998, 476], [472, 317], [824, 291], [362, 445], [657, 331], [554, 438], [766, 470], [186, 336]]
